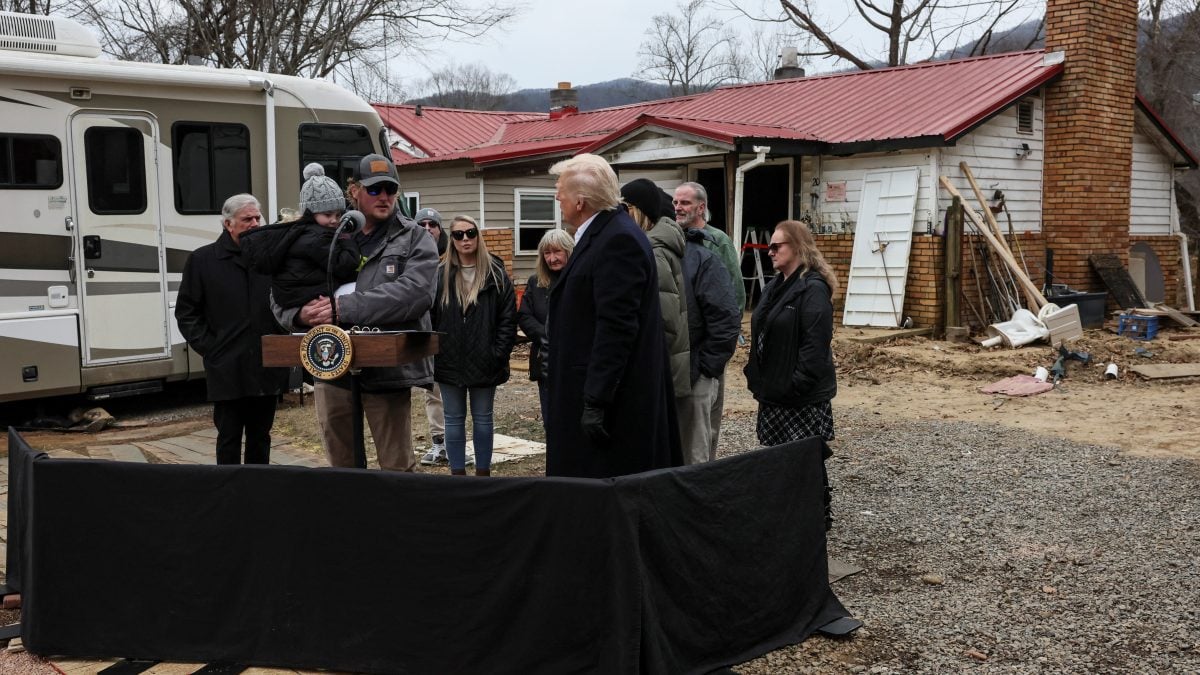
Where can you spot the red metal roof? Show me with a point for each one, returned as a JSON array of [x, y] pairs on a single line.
[[928, 102], [441, 131]]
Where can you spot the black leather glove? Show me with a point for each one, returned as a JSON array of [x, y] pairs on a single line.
[[592, 423]]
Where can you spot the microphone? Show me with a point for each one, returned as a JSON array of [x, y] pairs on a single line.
[[352, 221]]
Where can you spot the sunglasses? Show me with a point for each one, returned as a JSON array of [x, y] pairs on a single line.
[[389, 188], [775, 247], [430, 225], [465, 234]]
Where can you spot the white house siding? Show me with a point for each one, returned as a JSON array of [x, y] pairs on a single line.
[[840, 216], [991, 152], [1150, 206]]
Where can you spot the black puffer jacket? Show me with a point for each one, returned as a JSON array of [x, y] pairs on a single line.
[[295, 255], [791, 335], [712, 312], [535, 305], [476, 345]]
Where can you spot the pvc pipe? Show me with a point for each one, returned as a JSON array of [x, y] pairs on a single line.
[[272, 193], [738, 192], [1184, 254]]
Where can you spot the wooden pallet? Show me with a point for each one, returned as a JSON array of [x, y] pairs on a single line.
[[1116, 278]]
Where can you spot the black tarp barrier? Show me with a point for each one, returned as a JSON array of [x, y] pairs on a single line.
[[672, 571]]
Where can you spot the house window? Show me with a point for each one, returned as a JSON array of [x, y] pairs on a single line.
[[536, 213], [1025, 116], [30, 162], [116, 170], [410, 202], [211, 162], [337, 147]]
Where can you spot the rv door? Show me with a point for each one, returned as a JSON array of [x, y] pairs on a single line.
[[119, 238]]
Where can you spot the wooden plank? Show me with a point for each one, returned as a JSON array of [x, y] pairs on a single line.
[[892, 335], [1184, 336], [1177, 316], [1116, 278], [1039, 300], [370, 349], [1167, 370]]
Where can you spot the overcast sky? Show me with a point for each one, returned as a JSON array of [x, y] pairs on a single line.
[[579, 41]]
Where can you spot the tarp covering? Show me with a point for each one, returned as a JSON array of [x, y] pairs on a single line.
[[673, 571]]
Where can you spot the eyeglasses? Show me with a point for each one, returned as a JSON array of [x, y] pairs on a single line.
[[430, 225], [465, 234], [389, 188], [775, 246]]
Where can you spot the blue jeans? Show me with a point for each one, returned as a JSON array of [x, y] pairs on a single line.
[[454, 401]]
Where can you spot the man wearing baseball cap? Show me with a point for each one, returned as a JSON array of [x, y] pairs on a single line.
[[394, 291]]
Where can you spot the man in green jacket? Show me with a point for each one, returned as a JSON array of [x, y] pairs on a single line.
[[691, 211]]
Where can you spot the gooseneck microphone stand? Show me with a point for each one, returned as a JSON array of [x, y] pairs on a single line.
[[351, 222]]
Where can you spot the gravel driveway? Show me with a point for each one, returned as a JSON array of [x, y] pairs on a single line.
[[990, 550]]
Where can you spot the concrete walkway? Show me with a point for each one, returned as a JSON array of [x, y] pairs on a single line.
[[199, 448]]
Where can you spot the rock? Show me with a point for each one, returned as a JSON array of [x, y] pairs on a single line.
[[977, 655], [933, 579]]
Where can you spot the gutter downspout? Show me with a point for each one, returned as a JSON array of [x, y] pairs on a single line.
[[482, 214], [739, 182], [1184, 254]]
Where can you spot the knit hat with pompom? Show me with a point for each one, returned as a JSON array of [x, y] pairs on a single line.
[[320, 194]]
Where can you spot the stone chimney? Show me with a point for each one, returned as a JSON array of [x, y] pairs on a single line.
[[789, 65], [1086, 175], [564, 101]]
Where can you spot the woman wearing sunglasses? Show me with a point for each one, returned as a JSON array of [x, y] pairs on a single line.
[[475, 309], [790, 371]]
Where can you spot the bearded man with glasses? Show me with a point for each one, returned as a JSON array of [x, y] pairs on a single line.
[[394, 291]]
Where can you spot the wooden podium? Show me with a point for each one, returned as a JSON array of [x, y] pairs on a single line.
[[369, 350]]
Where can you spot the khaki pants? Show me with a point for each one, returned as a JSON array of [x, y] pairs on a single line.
[[699, 428], [434, 412], [390, 419]]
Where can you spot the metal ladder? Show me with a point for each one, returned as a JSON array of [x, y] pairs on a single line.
[[751, 247]]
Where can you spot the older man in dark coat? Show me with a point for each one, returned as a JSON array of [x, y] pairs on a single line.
[[223, 310], [611, 406]]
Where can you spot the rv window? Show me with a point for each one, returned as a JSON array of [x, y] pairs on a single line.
[[211, 163], [337, 147], [30, 162], [116, 170]]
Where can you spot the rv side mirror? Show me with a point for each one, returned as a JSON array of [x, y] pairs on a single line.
[[91, 247]]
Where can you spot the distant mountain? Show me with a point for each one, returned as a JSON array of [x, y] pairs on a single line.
[[622, 91]]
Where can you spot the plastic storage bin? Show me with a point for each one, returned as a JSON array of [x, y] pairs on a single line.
[[1091, 305], [1136, 327]]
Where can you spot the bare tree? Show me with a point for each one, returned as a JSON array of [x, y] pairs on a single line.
[[311, 38], [761, 52], [27, 6], [1169, 78], [689, 50], [468, 86], [906, 30]]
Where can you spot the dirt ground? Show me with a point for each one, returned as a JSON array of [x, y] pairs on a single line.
[[903, 379]]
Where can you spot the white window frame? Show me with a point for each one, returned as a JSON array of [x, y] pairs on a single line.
[[414, 198], [540, 224]]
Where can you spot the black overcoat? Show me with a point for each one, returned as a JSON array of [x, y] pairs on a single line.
[[531, 317], [607, 346], [223, 311]]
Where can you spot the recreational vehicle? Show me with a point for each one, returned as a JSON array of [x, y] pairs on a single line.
[[111, 173]]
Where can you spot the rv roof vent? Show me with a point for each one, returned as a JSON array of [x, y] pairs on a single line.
[[46, 35]]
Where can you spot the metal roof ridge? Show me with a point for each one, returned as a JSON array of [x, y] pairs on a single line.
[[877, 71], [465, 111]]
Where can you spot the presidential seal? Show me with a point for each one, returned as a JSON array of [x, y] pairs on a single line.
[[325, 352]]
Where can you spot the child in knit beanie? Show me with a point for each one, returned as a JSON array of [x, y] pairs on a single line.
[[296, 253]]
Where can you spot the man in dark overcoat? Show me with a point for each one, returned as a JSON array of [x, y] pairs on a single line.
[[611, 408], [223, 310]]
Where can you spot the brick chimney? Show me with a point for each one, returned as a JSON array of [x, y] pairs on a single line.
[[1089, 135], [564, 101]]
